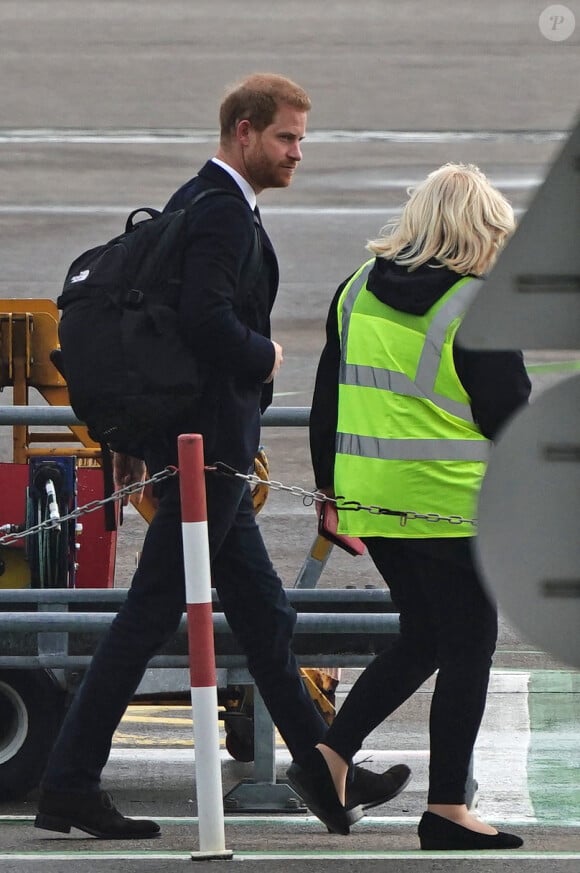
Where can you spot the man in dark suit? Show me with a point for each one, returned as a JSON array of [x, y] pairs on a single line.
[[229, 285]]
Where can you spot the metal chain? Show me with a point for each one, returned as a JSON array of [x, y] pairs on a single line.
[[309, 497], [135, 487]]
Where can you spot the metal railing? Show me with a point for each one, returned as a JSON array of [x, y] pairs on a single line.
[[57, 621], [277, 416], [59, 629]]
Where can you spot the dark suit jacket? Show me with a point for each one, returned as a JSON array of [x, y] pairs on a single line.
[[227, 324]]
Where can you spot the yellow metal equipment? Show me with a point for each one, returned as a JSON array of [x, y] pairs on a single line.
[[28, 335]]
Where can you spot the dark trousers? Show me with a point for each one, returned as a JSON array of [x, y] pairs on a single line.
[[255, 606], [447, 623]]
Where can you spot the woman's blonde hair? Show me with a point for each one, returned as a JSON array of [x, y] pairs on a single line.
[[455, 216]]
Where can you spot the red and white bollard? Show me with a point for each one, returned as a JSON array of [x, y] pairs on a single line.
[[202, 669]]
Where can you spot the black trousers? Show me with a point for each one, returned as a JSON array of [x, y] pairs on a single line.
[[253, 601], [447, 623]]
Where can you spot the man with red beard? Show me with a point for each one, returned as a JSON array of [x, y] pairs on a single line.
[[228, 288]]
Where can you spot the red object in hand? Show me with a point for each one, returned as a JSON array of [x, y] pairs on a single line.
[[327, 528]]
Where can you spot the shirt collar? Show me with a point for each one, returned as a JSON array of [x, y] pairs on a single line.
[[242, 183]]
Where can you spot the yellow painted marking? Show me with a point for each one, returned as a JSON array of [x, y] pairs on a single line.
[[144, 715], [155, 742], [152, 719]]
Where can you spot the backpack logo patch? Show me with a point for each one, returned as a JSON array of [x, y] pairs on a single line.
[[80, 277]]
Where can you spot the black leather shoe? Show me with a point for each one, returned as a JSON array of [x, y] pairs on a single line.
[[436, 832], [368, 789], [94, 812], [313, 782]]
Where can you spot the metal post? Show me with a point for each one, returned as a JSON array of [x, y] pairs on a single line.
[[201, 650], [264, 742], [314, 564], [262, 793]]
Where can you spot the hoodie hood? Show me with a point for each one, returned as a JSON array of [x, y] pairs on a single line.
[[413, 292]]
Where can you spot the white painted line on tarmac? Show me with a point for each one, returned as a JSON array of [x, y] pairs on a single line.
[[369, 821], [498, 181], [76, 856], [404, 856], [96, 210], [94, 856], [179, 136], [151, 753]]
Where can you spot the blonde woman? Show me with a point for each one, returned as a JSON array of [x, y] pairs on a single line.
[[404, 418]]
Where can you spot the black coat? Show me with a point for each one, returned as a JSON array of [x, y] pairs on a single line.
[[227, 324], [496, 381]]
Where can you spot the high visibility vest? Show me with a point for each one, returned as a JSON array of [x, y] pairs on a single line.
[[406, 439]]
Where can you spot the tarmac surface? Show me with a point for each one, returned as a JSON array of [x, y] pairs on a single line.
[[111, 105]]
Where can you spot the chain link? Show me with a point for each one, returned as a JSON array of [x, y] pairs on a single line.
[[93, 506], [309, 497]]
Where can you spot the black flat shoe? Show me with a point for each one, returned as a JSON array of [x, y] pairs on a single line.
[[436, 832], [368, 789], [313, 782], [94, 813]]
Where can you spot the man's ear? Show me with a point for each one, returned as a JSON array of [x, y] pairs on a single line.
[[243, 131]]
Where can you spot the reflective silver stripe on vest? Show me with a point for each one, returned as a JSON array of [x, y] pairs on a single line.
[[412, 450], [374, 377], [393, 380], [433, 347], [356, 287]]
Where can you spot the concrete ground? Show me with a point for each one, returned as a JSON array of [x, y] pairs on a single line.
[[526, 763], [107, 106]]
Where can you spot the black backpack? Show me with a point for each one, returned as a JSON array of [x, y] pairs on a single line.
[[131, 377]]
